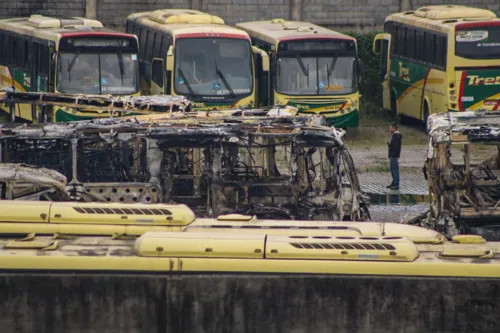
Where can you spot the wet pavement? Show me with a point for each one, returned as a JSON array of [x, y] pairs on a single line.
[[395, 212], [394, 205]]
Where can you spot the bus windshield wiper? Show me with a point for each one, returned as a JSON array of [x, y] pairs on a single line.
[[223, 78], [120, 63], [304, 70], [332, 66], [72, 63], [186, 82]]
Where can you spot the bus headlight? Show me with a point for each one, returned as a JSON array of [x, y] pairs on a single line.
[[453, 98]]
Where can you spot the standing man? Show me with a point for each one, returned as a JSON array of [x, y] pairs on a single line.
[[394, 153]]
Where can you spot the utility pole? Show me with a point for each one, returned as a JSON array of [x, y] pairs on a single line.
[[91, 9], [404, 5], [295, 10]]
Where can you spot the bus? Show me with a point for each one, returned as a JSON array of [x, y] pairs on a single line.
[[312, 68], [194, 54], [74, 56], [440, 59]]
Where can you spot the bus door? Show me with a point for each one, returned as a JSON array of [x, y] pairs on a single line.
[[157, 77], [381, 47]]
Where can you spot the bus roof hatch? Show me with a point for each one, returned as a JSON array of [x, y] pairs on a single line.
[[172, 16], [447, 12], [44, 22]]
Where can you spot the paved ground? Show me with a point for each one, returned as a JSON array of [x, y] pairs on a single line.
[[410, 183], [370, 157], [395, 213]]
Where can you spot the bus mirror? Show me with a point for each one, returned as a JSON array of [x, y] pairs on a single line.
[[170, 58], [377, 46], [264, 57]]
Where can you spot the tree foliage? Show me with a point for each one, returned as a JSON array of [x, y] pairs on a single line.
[[370, 88]]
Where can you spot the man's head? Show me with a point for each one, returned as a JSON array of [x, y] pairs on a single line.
[[393, 128]]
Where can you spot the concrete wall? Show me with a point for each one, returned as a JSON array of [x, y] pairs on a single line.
[[344, 14], [260, 303]]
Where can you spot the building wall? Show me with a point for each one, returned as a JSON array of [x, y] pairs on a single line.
[[192, 303], [359, 15]]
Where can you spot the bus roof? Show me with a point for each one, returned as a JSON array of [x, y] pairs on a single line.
[[52, 28], [279, 30], [188, 23], [444, 18]]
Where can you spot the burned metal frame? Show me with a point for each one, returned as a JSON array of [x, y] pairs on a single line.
[[24, 182], [465, 198], [268, 162]]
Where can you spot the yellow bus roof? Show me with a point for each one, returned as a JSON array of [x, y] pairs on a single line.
[[184, 22], [276, 30], [251, 253], [49, 27], [443, 18]]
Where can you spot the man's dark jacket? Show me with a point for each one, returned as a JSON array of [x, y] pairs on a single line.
[[395, 145]]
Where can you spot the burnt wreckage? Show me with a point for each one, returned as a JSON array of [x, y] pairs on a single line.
[[465, 195], [268, 162]]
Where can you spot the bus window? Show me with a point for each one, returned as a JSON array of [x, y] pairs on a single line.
[[43, 67], [157, 45], [213, 67], [149, 46], [478, 42], [96, 72], [13, 49], [410, 43]]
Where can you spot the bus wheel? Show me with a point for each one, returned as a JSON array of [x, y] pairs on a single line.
[[426, 117]]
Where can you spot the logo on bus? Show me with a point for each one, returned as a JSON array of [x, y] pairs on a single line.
[[475, 80], [404, 72]]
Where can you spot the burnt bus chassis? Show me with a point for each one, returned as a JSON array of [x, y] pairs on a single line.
[[234, 162]]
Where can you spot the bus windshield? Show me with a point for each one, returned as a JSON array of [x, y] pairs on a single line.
[[311, 75], [97, 73], [478, 42], [213, 67]]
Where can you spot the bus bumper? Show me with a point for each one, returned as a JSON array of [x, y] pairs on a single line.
[[350, 119]]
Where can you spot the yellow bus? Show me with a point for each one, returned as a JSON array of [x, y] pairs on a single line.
[[75, 56], [438, 59], [191, 53], [312, 68]]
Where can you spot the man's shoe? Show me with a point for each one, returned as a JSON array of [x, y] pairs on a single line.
[[394, 187], [390, 185]]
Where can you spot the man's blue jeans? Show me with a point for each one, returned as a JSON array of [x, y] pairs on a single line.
[[394, 163]]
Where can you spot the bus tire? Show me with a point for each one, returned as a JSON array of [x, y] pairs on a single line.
[[426, 117]]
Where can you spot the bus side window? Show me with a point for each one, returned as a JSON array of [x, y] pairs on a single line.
[[43, 66], [22, 54], [149, 46], [13, 49], [157, 45], [410, 43], [394, 47], [141, 34], [5, 46], [164, 46]]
